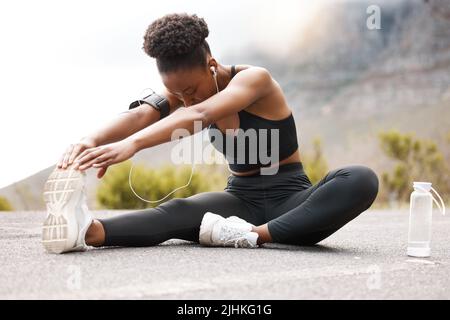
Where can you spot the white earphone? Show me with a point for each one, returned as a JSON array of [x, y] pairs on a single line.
[[213, 69]]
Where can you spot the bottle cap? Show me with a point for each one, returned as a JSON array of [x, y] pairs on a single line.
[[422, 186]]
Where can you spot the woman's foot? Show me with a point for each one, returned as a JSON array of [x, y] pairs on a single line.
[[68, 217], [215, 230], [263, 234]]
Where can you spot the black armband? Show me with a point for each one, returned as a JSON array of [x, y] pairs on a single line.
[[158, 102]]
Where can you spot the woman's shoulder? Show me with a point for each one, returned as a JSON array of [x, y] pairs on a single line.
[[252, 75], [251, 69]]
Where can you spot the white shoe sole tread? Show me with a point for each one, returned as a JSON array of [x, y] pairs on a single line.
[[58, 190]]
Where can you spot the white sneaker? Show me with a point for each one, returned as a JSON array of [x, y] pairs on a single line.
[[68, 217], [215, 230]]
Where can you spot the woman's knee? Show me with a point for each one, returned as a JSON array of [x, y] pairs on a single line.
[[177, 205], [192, 206], [365, 181]]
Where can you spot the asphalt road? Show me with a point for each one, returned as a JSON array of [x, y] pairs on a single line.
[[366, 259]]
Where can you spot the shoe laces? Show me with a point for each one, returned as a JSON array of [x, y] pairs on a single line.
[[230, 233], [239, 243]]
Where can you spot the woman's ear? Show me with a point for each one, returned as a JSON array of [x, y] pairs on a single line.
[[213, 70], [213, 66]]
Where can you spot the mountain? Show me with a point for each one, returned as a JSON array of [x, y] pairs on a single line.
[[345, 82]]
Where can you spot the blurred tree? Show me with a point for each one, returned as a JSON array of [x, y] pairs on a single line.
[[416, 160], [5, 205], [153, 184], [314, 163]]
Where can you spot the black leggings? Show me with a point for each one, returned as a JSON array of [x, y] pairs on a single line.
[[296, 211]]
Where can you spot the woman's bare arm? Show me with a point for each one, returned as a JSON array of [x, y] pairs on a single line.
[[132, 121], [126, 124], [246, 87]]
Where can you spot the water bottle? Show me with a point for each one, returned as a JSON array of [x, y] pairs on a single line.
[[420, 214]]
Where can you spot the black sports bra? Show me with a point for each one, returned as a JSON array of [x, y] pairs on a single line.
[[252, 149]]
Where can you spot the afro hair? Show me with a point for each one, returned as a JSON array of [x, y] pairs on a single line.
[[177, 40]]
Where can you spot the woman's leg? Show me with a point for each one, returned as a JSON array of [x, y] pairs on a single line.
[[178, 218], [319, 211]]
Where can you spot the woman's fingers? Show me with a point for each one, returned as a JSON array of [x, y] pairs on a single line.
[[102, 164], [101, 172], [94, 159], [88, 155], [75, 152], [84, 153], [66, 156], [60, 162]]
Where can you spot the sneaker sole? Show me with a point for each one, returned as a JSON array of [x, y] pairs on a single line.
[[58, 191]]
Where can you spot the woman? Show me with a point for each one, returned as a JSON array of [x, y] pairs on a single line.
[[254, 208]]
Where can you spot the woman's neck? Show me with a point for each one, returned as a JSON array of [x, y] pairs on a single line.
[[223, 76]]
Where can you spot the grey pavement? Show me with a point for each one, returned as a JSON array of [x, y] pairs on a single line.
[[366, 259]]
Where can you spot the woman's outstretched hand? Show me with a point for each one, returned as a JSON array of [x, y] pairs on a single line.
[[104, 156], [73, 151]]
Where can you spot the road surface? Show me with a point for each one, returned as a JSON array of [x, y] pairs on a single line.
[[366, 259]]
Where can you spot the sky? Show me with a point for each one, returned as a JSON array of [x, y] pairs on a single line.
[[68, 67]]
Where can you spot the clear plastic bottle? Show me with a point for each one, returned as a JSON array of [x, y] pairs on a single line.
[[420, 219]]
